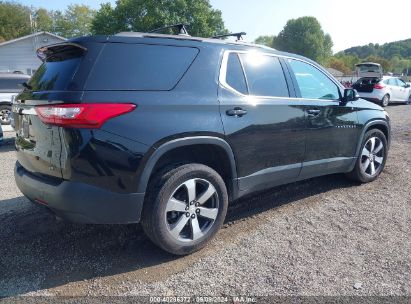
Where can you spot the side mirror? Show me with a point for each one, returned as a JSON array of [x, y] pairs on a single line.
[[407, 85], [350, 95]]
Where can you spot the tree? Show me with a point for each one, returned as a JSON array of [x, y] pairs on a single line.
[[146, 15], [386, 65], [14, 20], [305, 36], [338, 64], [75, 21], [43, 20], [265, 40]]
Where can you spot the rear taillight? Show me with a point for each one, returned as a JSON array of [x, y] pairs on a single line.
[[86, 116], [378, 86]]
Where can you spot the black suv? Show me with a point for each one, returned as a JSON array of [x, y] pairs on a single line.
[[167, 129]]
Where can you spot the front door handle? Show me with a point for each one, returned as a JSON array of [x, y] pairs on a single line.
[[313, 112], [237, 111]]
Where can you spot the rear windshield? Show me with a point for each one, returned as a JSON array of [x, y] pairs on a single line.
[[140, 67], [11, 84], [54, 75]]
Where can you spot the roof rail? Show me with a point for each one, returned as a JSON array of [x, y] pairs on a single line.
[[238, 35], [181, 29]]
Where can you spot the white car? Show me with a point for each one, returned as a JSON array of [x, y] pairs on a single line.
[[10, 86], [383, 90]]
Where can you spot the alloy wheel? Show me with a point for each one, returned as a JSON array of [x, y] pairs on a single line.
[[5, 116], [192, 210], [372, 156]]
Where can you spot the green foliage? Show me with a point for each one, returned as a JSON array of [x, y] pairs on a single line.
[[265, 40], [146, 15], [338, 64], [305, 36], [388, 50], [75, 21], [14, 20], [394, 56], [43, 20]]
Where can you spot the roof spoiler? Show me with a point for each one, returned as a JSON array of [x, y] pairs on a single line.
[[66, 49]]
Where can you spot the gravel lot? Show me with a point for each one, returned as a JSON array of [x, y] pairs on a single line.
[[317, 237]]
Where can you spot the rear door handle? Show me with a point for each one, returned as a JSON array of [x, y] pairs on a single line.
[[313, 112], [236, 112]]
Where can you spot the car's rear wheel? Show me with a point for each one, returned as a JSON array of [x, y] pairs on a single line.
[[372, 157], [185, 208], [385, 101], [5, 114]]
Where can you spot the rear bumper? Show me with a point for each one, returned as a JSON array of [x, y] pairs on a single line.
[[80, 202], [374, 96]]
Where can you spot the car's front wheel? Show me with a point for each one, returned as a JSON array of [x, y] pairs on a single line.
[[5, 114], [185, 207], [372, 157]]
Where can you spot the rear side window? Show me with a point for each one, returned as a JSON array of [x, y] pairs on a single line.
[[140, 67], [264, 74], [235, 75]]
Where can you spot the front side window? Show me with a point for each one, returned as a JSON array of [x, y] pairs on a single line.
[[400, 83], [313, 83], [264, 74]]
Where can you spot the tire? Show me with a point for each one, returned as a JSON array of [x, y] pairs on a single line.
[[385, 101], [5, 114], [179, 221], [372, 157], [408, 101]]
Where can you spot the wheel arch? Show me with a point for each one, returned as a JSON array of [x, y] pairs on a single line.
[[379, 124], [214, 147]]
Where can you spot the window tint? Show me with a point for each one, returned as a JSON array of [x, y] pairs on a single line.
[[235, 75], [313, 83], [140, 67], [265, 76], [54, 75], [11, 84]]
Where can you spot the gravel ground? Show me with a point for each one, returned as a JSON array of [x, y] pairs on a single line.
[[316, 237]]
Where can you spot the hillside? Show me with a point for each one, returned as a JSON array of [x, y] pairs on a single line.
[[400, 49]]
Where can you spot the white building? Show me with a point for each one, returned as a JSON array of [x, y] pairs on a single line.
[[19, 55]]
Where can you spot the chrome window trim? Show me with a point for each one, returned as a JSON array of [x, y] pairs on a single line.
[[223, 75]]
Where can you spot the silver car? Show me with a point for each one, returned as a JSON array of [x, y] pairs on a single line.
[[10, 86], [383, 90]]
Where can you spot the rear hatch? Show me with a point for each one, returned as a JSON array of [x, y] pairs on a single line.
[[369, 70], [38, 145], [366, 84]]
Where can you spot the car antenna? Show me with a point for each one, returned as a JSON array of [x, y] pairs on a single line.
[[238, 35], [181, 29]]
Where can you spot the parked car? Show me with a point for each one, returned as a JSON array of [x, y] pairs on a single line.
[[168, 129], [10, 86], [384, 90], [1, 135]]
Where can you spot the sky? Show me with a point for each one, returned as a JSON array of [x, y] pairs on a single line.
[[349, 22]]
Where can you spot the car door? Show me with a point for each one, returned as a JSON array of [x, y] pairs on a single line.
[[403, 92], [393, 89], [263, 125], [331, 134]]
